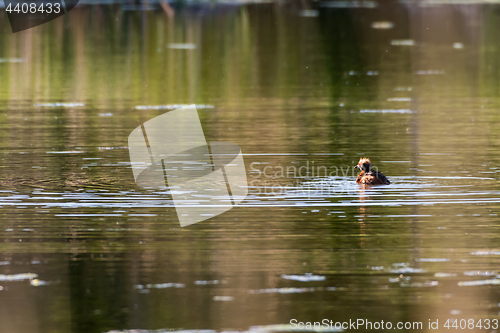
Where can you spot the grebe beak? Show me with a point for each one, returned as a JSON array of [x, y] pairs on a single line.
[[356, 167]]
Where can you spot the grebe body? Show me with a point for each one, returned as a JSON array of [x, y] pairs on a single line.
[[367, 176]]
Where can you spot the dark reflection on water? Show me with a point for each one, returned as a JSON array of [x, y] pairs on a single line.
[[304, 94]]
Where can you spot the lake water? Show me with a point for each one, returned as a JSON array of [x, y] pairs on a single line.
[[306, 89]]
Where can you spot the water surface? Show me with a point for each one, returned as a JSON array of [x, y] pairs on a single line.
[[302, 89]]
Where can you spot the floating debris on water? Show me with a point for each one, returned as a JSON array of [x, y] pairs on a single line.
[[349, 4], [223, 298], [429, 72], [407, 270], [433, 259], [204, 283], [38, 283], [18, 277], [309, 13], [111, 148], [403, 89], [403, 268], [377, 268], [486, 253], [458, 46], [105, 114], [159, 286], [66, 105], [369, 73], [308, 277], [480, 273], [387, 111], [478, 283], [282, 291], [65, 152], [399, 99], [382, 25], [443, 275], [419, 284], [11, 60], [171, 106], [403, 42], [182, 46]]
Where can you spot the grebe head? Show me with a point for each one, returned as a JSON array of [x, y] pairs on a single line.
[[364, 164]]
